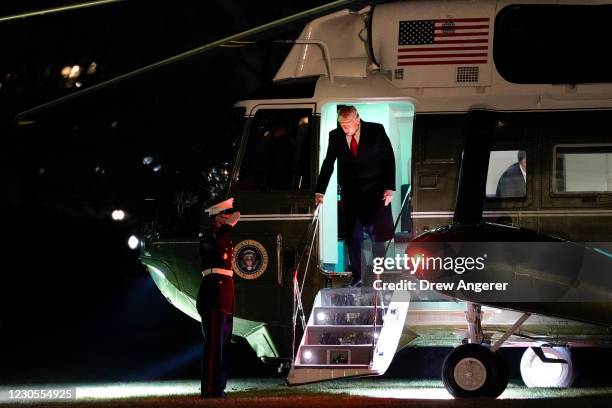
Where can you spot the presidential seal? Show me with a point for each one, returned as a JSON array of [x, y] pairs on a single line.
[[250, 259]]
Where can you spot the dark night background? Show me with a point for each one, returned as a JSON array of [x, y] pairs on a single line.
[[75, 303]]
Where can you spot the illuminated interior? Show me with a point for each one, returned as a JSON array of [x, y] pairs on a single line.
[[397, 119]]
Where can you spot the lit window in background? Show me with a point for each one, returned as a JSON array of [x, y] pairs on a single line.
[[75, 71], [91, 69], [65, 72], [72, 73]]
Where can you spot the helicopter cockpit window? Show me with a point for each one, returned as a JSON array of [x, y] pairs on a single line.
[[278, 152], [507, 174], [583, 169]]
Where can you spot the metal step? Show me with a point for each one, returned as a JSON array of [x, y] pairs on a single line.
[[342, 335], [331, 354]]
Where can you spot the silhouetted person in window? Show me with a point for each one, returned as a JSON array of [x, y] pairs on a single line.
[[513, 182]]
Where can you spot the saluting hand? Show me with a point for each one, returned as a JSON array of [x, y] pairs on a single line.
[[229, 219]]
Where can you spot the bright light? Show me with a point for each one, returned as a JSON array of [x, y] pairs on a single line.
[[78, 84], [414, 393], [147, 160], [307, 355], [135, 390], [157, 168], [65, 71], [118, 215], [133, 242], [321, 316], [75, 71], [92, 68]]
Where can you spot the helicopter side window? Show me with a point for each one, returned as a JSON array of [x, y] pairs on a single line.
[[583, 169], [532, 43], [507, 174], [278, 151]]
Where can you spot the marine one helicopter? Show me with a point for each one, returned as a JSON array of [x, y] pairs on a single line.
[[465, 90]]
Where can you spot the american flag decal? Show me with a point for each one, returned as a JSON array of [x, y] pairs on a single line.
[[443, 42]]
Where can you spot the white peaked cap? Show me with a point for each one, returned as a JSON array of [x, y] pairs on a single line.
[[220, 207]]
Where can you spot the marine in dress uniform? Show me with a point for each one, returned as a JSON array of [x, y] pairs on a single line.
[[215, 302]]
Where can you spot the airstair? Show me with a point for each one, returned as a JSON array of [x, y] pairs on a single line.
[[350, 332]]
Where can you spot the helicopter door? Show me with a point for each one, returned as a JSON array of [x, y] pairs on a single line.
[[274, 192]]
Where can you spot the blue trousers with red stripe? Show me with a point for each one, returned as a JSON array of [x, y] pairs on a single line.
[[217, 331]]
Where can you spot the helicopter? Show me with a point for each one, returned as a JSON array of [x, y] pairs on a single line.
[[463, 90]]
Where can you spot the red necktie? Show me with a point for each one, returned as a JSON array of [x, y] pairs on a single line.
[[354, 145]]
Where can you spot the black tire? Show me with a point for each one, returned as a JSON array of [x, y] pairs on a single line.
[[488, 375]]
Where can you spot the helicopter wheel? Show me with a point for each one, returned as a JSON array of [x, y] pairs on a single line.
[[472, 370], [537, 373]]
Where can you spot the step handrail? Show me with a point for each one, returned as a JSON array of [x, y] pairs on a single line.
[[298, 308], [376, 294]]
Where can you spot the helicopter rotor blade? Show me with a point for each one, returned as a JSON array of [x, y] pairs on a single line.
[[22, 16], [22, 117]]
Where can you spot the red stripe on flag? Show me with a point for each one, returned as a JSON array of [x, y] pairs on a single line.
[[478, 47], [461, 34], [466, 41], [472, 27], [462, 20], [442, 56], [441, 62]]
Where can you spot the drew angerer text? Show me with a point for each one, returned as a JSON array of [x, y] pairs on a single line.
[[440, 286], [458, 265]]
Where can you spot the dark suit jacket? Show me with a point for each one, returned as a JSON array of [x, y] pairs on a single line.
[[511, 183], [364, 178], [372, 170]]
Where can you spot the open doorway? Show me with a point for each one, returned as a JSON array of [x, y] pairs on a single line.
[[397, 119]]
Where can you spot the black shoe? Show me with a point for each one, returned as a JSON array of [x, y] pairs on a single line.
[[215, 395], [354, 283]]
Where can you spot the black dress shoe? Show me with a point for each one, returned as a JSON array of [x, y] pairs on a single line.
[[214, 395], [354, 284]]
